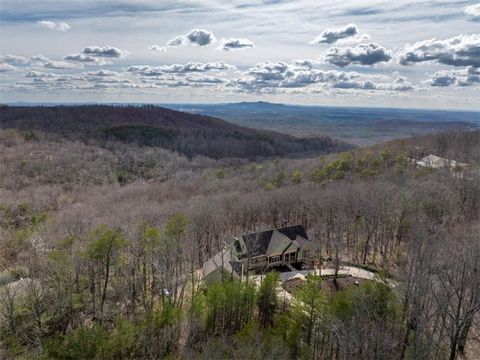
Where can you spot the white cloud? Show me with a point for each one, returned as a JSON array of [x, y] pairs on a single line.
[[473, 11], [86, 59], [101, 73], [199, 37], [157, 48], [205, 79], [147, 70], [442, 78], [38, 74], [104, 51], [329, 36], [51, 25], [461, 50], [368, 54], [236, 44]]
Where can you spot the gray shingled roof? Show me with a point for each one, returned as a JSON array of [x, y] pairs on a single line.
[[260, 242]]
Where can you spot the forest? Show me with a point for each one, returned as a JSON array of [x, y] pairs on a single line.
[[147, 125], [108, 213]]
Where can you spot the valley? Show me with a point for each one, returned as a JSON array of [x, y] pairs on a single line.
[[361, 126]]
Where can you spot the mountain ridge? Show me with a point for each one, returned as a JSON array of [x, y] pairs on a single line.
[[190, 134]]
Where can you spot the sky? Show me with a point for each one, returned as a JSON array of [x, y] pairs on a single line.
[[412, 54]]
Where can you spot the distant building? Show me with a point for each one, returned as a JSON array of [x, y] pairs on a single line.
[[286, 248], [437, 162]]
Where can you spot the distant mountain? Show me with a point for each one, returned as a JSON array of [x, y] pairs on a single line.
[[156, 126], [358, 125]]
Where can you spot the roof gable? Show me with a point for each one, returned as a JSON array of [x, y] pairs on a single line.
[[273, 241], [292, 231], [278, 243], [257, 243]]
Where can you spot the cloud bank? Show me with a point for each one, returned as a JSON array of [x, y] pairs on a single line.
[[190, 67], [269, 77]]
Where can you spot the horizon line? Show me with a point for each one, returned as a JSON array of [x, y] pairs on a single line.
[[67, 103]]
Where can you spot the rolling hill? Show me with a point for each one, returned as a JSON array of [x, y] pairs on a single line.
[[362, 126], [186, 133]]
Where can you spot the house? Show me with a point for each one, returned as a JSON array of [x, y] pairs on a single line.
[[285, 248]]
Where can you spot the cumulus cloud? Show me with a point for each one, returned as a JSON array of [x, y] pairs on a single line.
[[399, 84], [473, 11], [51, 25], [461, 50], [442, 79], [465, 77], [330, 36], [147, 70], [199, 37], [104, 51], [96, 55], [157, 48], [367, 54], [236, 44]]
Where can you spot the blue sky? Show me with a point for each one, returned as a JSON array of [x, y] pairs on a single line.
[[355, 53]]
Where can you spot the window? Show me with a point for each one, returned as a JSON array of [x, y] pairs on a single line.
[[306, 253], [290, 257], [276, 258], [238, 247]]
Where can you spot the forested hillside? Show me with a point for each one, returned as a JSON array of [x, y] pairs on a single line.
[[185, 133], [102, 239]]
